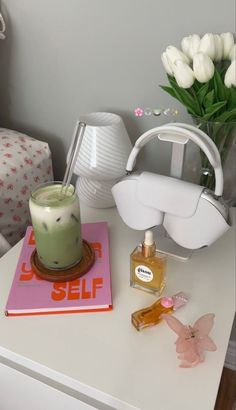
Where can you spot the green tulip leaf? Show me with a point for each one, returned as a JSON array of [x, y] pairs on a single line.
[[227, 116], [209, 99], [169, 90], [220, 88], [197, 86], [231, 98], [185, 97], [210, 111], [202, 92], [215, 107]]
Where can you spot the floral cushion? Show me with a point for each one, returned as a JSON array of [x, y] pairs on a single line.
[[24, 163]]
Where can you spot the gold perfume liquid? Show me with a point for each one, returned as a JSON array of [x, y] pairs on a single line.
[[151, 315], [148, 266]]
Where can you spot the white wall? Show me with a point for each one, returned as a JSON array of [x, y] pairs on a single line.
[[63, 58]]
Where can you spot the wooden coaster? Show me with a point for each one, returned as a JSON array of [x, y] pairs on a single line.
[[65, 275]]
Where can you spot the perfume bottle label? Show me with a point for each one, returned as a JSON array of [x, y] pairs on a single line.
[[143, 273]]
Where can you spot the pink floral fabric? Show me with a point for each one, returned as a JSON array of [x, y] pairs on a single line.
[[24, 163]]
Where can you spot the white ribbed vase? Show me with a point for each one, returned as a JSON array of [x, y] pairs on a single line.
[[105, 147]]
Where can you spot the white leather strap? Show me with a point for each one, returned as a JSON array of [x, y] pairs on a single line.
[[181, 133]]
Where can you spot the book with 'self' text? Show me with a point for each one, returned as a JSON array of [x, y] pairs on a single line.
[[30, 295]]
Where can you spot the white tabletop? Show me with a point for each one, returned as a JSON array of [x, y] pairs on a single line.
[[101, 355]]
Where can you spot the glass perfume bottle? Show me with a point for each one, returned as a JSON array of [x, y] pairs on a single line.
[[152, 315], [148, 266]]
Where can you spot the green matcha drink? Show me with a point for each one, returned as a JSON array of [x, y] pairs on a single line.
[[56, 222]]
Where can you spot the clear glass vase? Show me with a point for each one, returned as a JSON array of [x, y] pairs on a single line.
[[224, 136]]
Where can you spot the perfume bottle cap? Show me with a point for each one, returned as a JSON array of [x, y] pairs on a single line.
[[148, 245], [148, 239]]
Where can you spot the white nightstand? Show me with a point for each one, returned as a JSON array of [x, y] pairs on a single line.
[[98, 360]]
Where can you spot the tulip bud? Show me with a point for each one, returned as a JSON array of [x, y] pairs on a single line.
[[232, 54], [228, 42], [166, 63], [207, 45], [203, 67], [190, 45], [173, 54], [230, 75], [218, 47], [183, 74]]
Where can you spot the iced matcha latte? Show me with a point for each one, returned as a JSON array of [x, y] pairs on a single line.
[[56, 222]]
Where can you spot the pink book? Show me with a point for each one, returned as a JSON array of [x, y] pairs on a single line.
[[30, 295]]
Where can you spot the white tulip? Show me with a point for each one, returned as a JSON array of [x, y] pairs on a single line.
[[166, 63], [173, 54], [230, 75], [218, 47], [228, 42], [190, 45], [232, 54], [203, 67], [183, 74], [207, 45]]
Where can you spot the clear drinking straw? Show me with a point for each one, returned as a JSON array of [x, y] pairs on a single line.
[[75, 146]]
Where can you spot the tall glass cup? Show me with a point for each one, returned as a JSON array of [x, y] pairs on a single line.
[[55, 215]]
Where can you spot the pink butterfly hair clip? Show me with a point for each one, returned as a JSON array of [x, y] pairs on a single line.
[[192, 340]]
